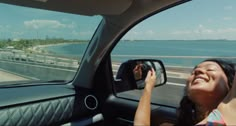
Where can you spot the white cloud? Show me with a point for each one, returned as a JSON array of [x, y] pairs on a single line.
[[134, 33], [226, 30], [199, 32], [150, 32], [184, 32], [84, 33], [72, 25], [202, 32], [227, 18], [5, 28], [17, 33], [228, 7], [141, 33], [37, 24], [147, 34]]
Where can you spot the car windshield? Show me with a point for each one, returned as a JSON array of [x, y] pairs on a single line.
[[42, 45]]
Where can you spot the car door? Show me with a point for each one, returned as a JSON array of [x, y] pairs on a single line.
[[120, 106]]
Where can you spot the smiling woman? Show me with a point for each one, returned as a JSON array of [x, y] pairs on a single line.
[[41, 45], [182, 37]]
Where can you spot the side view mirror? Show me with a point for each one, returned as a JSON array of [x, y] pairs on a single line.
[[134, 72]]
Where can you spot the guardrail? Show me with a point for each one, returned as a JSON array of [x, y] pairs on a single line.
[[33, 58]]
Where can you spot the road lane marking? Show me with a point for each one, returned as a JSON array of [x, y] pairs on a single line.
[[176, 84]]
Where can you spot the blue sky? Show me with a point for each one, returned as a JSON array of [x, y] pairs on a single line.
[[20, 22], [197, 19]]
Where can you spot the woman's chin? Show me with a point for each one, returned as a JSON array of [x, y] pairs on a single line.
[[197, 90]]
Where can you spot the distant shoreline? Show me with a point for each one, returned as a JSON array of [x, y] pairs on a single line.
[[41, 48]]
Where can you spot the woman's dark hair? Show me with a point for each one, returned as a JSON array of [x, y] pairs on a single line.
[[145, 68], [187, 111]]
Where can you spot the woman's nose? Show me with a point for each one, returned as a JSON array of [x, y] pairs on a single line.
[[198, 71]]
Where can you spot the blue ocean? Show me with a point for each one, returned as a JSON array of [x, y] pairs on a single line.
[[171, 52]]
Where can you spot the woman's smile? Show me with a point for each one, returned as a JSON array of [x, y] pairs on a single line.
[[200, 79]]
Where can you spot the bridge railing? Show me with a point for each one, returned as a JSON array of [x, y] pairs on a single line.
[[45, 59], [183, 63]]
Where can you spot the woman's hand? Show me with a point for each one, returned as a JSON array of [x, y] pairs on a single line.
[[150, 80], [137, 72]]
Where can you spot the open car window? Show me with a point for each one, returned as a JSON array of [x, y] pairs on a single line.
[[181, 37], [42, 46]]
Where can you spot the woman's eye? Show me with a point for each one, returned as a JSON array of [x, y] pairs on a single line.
[[211, 69]]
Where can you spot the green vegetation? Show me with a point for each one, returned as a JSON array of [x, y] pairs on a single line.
[[24, 44]]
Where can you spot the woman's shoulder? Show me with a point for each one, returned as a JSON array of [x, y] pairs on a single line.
[[213, 119]]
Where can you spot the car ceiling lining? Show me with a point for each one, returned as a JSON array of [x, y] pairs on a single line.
[[83, 7]]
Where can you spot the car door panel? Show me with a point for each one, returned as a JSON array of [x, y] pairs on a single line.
[[122, 110], [42, 105]]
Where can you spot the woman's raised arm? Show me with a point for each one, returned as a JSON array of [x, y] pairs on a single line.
[[143, 112]]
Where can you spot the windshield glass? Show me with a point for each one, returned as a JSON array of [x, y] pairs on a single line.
[[42, 45]]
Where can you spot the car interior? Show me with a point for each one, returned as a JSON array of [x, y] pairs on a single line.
[[99, 90]]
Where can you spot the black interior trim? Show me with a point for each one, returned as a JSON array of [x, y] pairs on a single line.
[[123, 110], [37, 105], [24, 95]]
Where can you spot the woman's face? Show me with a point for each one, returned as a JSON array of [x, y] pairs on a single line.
[[207, 83]]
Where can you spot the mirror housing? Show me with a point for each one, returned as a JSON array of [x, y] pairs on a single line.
[[134, 72]]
